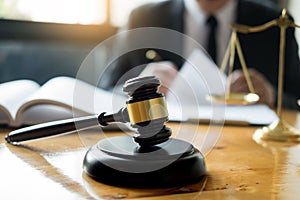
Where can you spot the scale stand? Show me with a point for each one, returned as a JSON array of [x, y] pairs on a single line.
[[278, 130]]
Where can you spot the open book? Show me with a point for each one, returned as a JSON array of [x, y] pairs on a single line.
[[24, 102]]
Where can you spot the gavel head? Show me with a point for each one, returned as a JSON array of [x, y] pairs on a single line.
[[147, 110]]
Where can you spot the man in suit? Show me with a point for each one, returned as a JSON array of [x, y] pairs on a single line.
[[260, 49]]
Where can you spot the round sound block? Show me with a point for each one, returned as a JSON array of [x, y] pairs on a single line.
[[120, 161]]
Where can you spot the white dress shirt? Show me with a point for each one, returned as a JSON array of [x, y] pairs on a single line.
[[196, 28]]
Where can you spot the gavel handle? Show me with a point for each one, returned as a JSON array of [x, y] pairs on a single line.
[[51, 129], [65, 126]]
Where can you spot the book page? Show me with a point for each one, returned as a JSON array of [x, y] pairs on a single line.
[[198, 78], [5, 117], [66, 97], [12, 97], [41, 113]]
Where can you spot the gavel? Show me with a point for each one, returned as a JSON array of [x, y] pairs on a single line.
[[146, 112]]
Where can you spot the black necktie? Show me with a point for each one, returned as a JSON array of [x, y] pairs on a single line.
[[211, 47]]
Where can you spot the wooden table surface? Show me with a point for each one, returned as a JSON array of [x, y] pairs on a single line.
[[238, 168]]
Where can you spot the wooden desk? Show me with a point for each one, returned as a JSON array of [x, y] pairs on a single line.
[[238, 168]]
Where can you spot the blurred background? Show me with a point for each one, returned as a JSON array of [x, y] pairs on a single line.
[[41, 39]]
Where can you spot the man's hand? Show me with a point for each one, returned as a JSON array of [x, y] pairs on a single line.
[[165, 71], [261, 85]]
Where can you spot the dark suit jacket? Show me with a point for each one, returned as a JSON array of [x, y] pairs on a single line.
[[261, 50]]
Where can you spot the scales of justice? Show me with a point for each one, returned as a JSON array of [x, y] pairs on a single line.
[[279, 130]]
